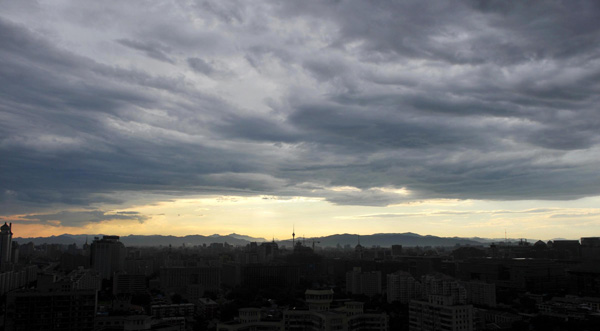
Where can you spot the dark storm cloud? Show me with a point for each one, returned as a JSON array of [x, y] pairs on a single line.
[[56, 132], [465, 100]]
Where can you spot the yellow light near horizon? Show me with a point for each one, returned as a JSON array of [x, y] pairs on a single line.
[[268, 216]]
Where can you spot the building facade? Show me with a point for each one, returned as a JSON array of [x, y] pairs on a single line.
[[107, 256], [5, 245]]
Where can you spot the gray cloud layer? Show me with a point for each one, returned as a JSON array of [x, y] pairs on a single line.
[[75, 218], [471, 99]]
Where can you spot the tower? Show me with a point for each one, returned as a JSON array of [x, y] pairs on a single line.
[[293, 236], [5, 244], [86, 247], [358, 250]]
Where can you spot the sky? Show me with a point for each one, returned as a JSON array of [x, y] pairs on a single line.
[[450, 118]]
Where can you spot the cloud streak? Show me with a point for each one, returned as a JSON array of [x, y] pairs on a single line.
[[79, 218]]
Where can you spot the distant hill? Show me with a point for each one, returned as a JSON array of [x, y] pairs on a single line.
[[407, 239], [140, 240], [248, 238], [386, 240]]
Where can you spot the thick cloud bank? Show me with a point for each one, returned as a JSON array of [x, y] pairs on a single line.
[[358, 102]]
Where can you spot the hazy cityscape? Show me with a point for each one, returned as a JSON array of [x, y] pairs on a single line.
[[314, 165], [298, 284]]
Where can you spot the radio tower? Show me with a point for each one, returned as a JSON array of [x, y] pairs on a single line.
[[293, 236]]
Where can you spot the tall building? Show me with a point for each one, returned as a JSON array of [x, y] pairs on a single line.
[[590, 248], [396, 250], [402, 287], [107, 256], [14, 252], [267, 252], [5, 244]]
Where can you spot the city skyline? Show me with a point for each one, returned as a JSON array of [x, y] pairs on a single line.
[[470, 118]]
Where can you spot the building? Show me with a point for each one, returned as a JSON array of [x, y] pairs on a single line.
[[140, 266], [402, 287], [129, 284], [191, 282], [14, 252], [107, 256], [442, 306], [84, 279], [173, 310], [493, 319], [438, 313], [567, 249], [261, 275], [313, 320], [5, 245], [26, 250], [396, 250], [138, 323], [590, 248], [207, 308], [320, 316], [442, 285], [367, 283], [52, 310], [250, 319], [480, 293], [319, 300], [17, 278]]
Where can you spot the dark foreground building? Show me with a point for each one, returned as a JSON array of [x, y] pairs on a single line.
[[45, 311]]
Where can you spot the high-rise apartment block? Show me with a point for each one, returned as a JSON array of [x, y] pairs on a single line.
[[5, 245], [402, 287], [107, 256], [442, 307]]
